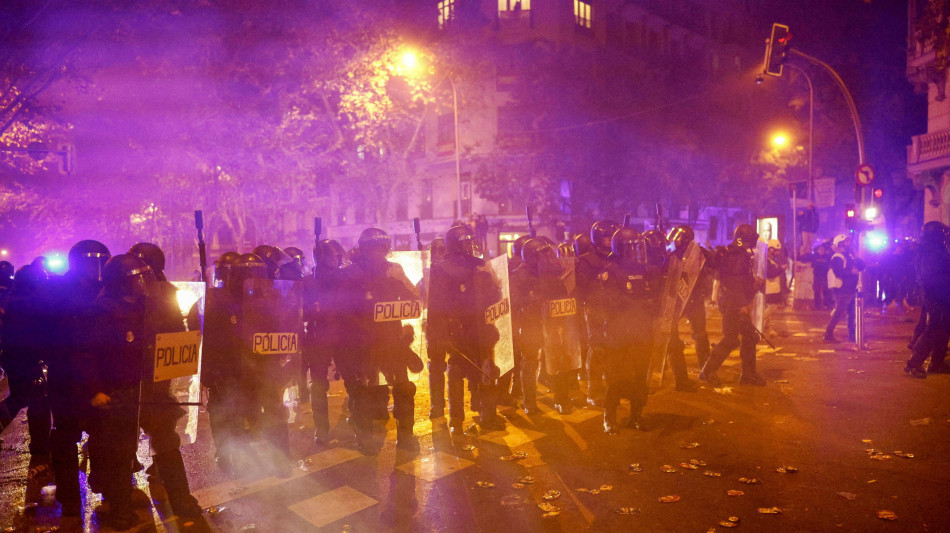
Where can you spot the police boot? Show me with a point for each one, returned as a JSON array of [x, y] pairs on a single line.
[[456, 405], [610, 421], [360, 420], [404, 413], [171, 470], [320, 407], [529, 385], [487, 410]]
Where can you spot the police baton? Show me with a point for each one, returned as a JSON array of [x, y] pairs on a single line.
[[417, 228], [202, 258], [766, 339], [459, 352], [187, 404], [531, 230]]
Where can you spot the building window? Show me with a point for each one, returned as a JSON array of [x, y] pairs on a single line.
[[505, 6], [425, 207], [446, 13], [582, 14], [402, 202]]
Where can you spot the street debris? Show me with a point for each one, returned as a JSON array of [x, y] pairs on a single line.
[[786, 469], [713, 421], [512, 500], [305, 464], [854, 371], [734, 493], [551, 495], [515, 456], [905, 455], [697, 462], [866, 441], [527, 480], [781, 381], [689, 445], [847, 495], [605, 488], [668, 469], [215, 511], [634, 467], [769, 510], [468, 447], [920, 422], [886, 515], [628, 510], [710, 473], [689, 466], [723, 390], [237, 490], [485, 484], [748, 480], [732, 521], [549, 507], [669, 499], [517, 485]]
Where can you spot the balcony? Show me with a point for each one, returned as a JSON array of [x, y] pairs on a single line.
[[928, 152]]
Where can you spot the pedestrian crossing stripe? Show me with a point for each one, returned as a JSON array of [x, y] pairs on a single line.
[[234, 489], [331, 506], [434, 467]]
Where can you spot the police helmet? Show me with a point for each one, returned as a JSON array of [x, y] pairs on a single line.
[[680, 237], [745, 236], [273, 257], [534, 251], [297, 255], [28, 279], [328, 253], [88, 258], [656, 245], [460, 240], [152, 255], [127, 275], [841, 242], [583, 245], [374, 244], [601, 234], [932, 233], [6, 273], [222, 269], [518, 245], [629, 245]]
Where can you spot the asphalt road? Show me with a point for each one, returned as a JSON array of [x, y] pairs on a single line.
[[855, 437]]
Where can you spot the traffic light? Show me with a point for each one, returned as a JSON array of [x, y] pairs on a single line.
[[776, 52], [850, 217], [878, 193]]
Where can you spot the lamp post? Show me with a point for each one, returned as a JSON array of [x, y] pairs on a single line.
[[458, 157], [811, 130]]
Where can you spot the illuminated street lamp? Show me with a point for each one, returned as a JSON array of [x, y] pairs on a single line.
[[780, 140], [409, 60]]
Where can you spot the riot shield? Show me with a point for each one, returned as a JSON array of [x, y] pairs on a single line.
[[758, 303], [677, 287], [272, 329], [414, 265], [499, 315], [559, 320], [173, 325]]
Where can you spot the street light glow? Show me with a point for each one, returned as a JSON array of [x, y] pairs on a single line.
[[870, 213], [779, 140], [409, 60]]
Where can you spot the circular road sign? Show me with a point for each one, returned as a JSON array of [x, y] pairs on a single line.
[[864, 174]]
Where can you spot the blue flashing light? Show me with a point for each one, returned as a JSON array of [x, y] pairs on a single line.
[[876, 241], [56, 263]]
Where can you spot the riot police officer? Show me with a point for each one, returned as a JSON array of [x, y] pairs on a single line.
[[67, 305], [278, 263], [21, 356], [322, 332], [509, 385], [591, 286], [738, 286], [629, 326], [221, 365], [463, 288], [374, 297], [132, 309], [933, 271], [694, 311], [437, 363]]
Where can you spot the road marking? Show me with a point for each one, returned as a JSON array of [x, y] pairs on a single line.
[[512, 437], [237, 488], [436, 466], [585, 512], [568, 429], [332, 506]]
